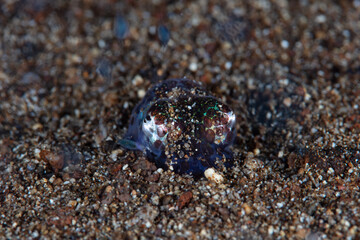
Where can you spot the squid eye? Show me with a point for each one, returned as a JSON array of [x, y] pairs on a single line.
[[161, 131]]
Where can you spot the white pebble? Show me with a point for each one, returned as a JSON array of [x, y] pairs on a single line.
[[125, 167], [212, 175], [193, 67], [313, 130], [228, 65], [152, 30], [138, 80], [268, 115], [148, 224], [330, 171], [37, 152], [101, 43], [35, 234], [284, 44], [320, 18], [270, 230], [284, 81], [280, 204], [141, 93], [287, 102], [195, 21]]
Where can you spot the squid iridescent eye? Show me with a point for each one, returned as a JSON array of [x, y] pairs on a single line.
[[219, 122]]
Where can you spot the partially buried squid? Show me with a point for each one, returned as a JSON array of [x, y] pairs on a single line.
[[183, 128]]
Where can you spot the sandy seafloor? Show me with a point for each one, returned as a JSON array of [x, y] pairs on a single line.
[[290, 71]]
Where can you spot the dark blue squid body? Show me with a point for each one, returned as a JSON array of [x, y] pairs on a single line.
[[181, 127]]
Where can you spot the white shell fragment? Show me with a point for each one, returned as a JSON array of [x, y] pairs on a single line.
[[213, 176]]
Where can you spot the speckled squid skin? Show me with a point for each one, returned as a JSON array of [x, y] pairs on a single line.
[[181, 127]]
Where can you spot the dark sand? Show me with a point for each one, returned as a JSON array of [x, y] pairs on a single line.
[[290, 71]]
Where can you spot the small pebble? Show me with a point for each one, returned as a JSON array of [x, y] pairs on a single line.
[[141, 93], [228, 65], [284, 44], [193, 67]]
